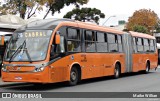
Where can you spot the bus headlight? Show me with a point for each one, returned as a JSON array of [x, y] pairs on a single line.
[[39, 69], [4, 68]]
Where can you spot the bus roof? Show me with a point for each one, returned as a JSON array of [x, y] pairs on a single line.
[[6, 33], [143, 35], [52, 23], [45, 24], [99, 28], [91, 26]]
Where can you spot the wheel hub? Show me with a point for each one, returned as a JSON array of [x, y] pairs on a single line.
[[73, 76]]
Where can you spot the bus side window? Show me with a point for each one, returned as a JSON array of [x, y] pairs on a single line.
[[90, 41], [73, 40], [146, 45], [152, 46], [139, 45], [101, 42], [134, 44], [112, 42]]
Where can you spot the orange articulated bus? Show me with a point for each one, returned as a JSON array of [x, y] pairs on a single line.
[[49, 51]]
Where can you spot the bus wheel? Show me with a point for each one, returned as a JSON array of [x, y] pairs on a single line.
[[117, 71], [73, 76], [147, 68]]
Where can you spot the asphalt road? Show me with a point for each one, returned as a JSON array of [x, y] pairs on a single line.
[[132, 82]]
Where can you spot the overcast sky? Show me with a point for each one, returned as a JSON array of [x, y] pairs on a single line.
[[122, 9]]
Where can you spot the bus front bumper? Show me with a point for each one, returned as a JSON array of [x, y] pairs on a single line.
[[39, 77]]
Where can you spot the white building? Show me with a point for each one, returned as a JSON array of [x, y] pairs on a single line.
[[121, 25]]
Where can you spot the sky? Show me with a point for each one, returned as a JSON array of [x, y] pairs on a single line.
[[121, 9]]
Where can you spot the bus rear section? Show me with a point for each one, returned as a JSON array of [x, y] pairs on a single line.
[[144, 56]]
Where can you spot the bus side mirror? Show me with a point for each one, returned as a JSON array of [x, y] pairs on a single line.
[[57, 38], [2, 40]]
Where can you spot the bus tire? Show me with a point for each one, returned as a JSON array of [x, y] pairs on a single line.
[[74, 76], [147, 68], [117, 71]]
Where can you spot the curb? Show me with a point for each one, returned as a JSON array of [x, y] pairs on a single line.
[[12, 84]]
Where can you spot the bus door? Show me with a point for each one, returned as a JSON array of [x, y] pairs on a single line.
[[138, 56], [93, 65]]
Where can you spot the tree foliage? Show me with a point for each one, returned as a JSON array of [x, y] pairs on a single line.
[[57, 5], [27, 8], [139, 28], [85, 14], [143, 17], [23, 7]]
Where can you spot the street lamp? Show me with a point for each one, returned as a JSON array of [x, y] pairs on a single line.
[[108, 19]]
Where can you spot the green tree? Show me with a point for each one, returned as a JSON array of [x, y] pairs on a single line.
[[158, 30], [22, 7], [139, 28], [27, 8], [157, 27], [57, 5], [85, 14]]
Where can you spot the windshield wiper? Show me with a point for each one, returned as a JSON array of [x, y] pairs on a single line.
[[20, 47], [30, 60], [23, 47]]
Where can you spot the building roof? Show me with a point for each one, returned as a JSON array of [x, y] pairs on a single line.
[[13, 22]]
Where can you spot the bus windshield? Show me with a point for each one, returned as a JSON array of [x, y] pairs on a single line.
[[29, 45]]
